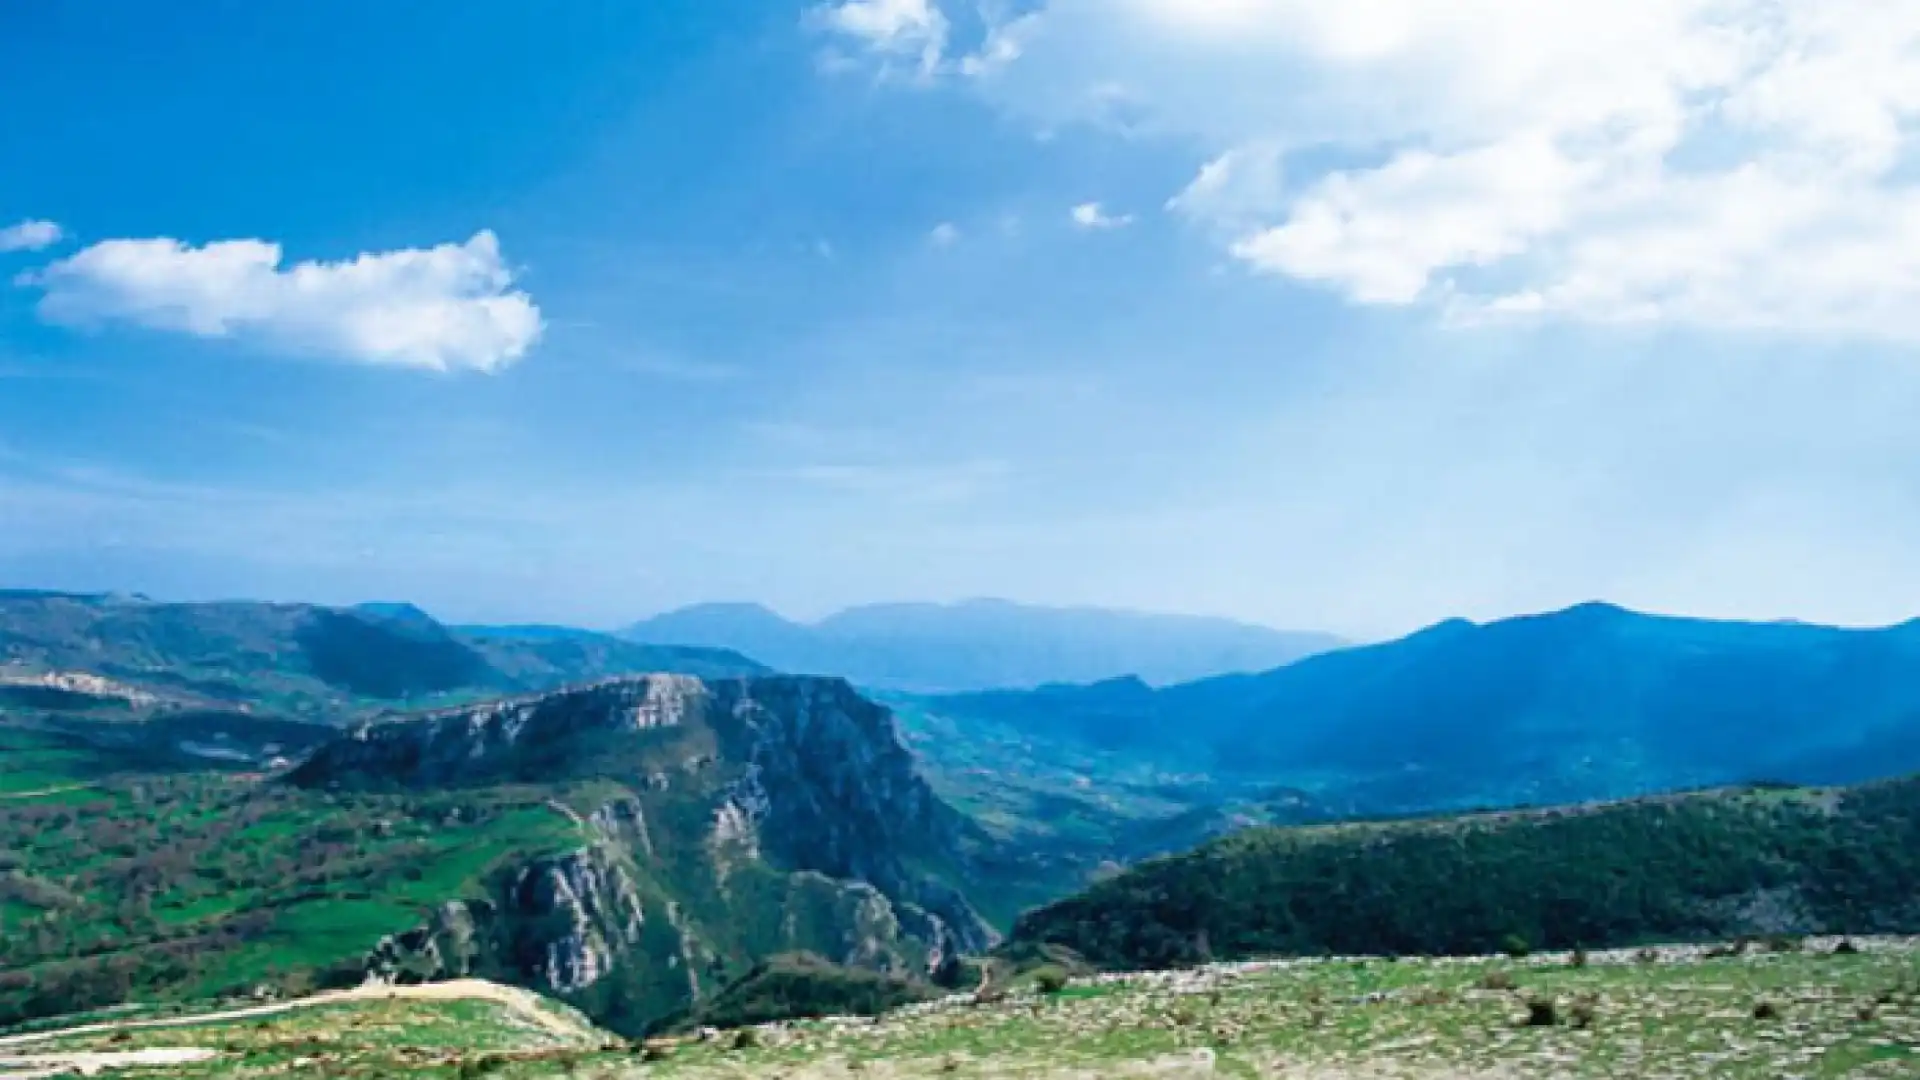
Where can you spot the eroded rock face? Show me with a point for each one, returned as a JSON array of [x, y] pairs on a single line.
[[590, 911], [751, 817], [829, 787]]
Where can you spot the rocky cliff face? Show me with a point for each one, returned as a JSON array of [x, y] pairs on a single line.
[[718, 823]]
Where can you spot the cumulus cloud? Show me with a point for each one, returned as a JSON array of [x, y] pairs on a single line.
[[914, 30], [443, 308], [1720, 163], [1094, 216], [29, 236], [945, 234]]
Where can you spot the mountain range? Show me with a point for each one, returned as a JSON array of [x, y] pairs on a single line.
[[301, 661], [984, 644], [1594, 702], [196, 800]]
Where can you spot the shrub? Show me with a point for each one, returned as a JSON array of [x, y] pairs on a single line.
[[1579, 958], [1050, 979], [1542, 1012], [1515, 946], [1766, 1010], [484, 1066], [1497, 980]]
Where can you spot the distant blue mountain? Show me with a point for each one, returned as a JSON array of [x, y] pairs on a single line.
[[984, 644], [1592, 702]]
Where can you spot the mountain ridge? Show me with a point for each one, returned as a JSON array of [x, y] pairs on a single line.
[[1591, 702], [309, 661], [1689, 866]]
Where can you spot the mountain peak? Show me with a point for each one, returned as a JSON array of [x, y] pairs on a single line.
[[1597, 609], [404, 613], [724, 615]]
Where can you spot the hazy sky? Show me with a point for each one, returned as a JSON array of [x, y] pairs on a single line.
[[1349, 316]]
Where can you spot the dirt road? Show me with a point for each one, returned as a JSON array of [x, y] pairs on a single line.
[[522, 1003]]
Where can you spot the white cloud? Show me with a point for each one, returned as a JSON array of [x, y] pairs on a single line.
[[443, 308], [30, 236], [945, 234], [895, 29], [1720, 163], [1093, 216]]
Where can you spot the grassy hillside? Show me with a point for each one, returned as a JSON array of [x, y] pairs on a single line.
[[118, 885], [1712, 864], [632, 847], [1817, 1014]]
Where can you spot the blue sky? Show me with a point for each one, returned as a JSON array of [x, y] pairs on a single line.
[[1246, 307]]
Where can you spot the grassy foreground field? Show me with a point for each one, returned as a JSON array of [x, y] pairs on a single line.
[[1818, 1012]]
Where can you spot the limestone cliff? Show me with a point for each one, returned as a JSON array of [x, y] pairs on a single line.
[[718, 823]]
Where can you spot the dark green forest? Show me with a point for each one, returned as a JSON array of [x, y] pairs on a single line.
[[1704, 866]]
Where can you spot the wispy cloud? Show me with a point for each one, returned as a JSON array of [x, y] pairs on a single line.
[[945, 234], [1093, 216], [30, 236], [445, 308], [911, 30]]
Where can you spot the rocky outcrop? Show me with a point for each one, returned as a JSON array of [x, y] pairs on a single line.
[[454, 943], [536, 738], [588, 912], [558, 924], [745, 818], [828, 786]]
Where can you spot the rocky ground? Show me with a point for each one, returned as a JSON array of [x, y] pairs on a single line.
[[1815, 1010]]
